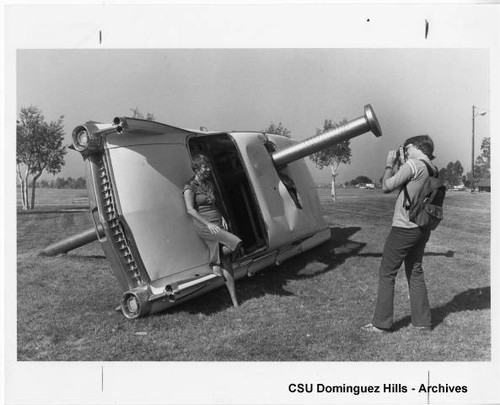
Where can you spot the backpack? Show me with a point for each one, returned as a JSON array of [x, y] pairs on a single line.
[[427, 208]]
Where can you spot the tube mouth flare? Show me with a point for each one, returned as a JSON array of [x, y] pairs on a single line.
[[372, 121]]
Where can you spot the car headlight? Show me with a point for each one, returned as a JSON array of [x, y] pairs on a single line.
[[81, 138], [84, 142]]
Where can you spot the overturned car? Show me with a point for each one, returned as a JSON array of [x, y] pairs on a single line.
[[136, 173]]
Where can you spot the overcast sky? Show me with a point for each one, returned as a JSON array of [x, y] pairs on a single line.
[[413, 91]]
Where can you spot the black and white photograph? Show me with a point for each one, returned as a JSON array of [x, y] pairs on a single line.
[[250, 204]]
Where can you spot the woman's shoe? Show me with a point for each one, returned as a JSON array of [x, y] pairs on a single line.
[[373, 329], [217, 271]]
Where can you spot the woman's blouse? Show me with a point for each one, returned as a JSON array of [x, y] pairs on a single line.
[[204, 198]]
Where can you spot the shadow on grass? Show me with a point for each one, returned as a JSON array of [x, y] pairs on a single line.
[[470, 300], [329, 255], [449, 253], [268, 282]]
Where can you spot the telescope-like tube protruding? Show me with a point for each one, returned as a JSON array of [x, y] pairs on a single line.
[[73, 242], [353, 128]]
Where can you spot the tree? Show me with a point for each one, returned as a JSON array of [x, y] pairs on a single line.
[[80, 183], [39, 148], [70, 183], [332, 156], [277, 130], [361, 180], [466, 181], [60, 182], [44, 184], [486, 152], [458, 171], [482, 166], [454, 171], [137, 113], [443, 176]]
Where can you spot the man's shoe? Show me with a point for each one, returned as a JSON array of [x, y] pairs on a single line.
[[373, 329]]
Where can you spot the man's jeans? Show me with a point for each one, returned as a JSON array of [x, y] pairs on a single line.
[[403, 245]]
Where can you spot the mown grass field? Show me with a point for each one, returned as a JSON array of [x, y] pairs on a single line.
[[309, 308], [48, 199]]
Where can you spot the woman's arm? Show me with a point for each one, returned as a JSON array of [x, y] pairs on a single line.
[[189, 201]]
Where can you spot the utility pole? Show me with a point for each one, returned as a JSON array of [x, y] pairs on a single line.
[[474, 115]]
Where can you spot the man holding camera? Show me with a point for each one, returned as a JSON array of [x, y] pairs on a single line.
[[406, 241]]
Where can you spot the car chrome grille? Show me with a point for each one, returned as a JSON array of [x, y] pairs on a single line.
[[118, 238]]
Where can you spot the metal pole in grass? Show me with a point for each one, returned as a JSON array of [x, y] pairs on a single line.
[[474, 115]]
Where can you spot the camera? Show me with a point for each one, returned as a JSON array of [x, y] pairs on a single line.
[[400, 155]]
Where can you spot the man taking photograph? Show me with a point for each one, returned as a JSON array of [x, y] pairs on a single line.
[[406, 240]]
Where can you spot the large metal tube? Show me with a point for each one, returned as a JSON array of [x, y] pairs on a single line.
[[359, 126], [73, 242]]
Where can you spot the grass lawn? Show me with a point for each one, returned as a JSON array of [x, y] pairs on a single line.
[[309, 308], [47, 197]]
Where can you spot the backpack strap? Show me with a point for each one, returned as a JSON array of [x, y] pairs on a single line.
[[432, 173], [407, 201]]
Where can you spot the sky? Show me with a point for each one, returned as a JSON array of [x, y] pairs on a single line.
[[412, 91]]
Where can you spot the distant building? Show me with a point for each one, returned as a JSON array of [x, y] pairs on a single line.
[[484, 186]]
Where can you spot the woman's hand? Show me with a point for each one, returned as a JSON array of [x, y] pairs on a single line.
[[214, 229], [224, 224]]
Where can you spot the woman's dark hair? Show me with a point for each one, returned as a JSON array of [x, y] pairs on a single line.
[[423, 143], [198, 161]]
